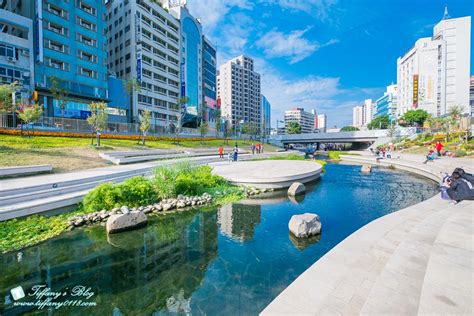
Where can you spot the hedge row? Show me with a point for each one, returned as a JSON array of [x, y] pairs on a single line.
[[104, 136]]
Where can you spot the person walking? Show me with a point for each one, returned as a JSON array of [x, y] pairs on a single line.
[[253, 148], [438, 148], [236, 153], [221, 152], [261, 148], [258, 148]]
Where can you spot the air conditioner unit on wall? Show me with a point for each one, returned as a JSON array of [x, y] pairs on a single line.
[[11, 60]]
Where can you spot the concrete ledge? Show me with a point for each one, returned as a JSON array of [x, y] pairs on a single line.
[[18, 171], [418, 260], [265, 174]]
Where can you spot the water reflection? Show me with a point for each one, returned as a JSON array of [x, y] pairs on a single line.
[[228, 261], [238, 221]]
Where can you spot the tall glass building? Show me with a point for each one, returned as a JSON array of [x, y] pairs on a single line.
[[387, 104], [266, 117], [209, 81], [191, 62], [70, 55]]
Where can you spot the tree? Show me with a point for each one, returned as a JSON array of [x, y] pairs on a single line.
[[249, 129], [6, 96], [60, 94], [414, 117], [98, 118], [227, 130], [203, 129], [181, 102], [30, 114], [145, 124], [380, 122], [218, 122], [349, 128], [293, 128], [132, 85]]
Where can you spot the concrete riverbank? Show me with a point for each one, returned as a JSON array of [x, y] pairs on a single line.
[[418, 260]]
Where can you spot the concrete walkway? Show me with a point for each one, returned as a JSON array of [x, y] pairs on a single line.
[[419, 260], [36, 194]]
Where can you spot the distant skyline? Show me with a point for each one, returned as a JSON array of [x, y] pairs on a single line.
[[328, 55]]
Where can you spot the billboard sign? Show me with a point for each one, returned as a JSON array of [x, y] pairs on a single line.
[[415, 91]]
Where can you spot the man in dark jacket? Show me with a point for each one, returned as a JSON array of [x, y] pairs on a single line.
[[461, 186]]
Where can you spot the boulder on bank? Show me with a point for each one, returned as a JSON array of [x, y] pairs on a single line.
[[366, 169], [121, 222], [305, 225], [296, 188]]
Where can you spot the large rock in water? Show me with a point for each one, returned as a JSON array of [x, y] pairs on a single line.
[[305, 225], [121, 222], [296, 188]]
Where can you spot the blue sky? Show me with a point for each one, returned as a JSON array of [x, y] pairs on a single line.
[[329, 55]]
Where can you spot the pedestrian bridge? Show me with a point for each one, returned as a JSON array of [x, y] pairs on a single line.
[[342, 137]]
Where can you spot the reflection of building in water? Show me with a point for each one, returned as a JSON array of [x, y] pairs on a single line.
[[238, 221], [137, 273]]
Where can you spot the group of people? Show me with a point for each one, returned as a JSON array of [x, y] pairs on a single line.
[[384, 151], [435, 152], [256, 148], [231, 155], [458, 186]]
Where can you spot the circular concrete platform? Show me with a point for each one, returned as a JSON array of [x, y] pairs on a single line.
[[264, 174]]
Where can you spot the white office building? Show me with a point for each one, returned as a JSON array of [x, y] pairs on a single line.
[[434, 74], [369, 111], [238, 91], [144, 44], [358, 116], [322, 122], [306, 120]]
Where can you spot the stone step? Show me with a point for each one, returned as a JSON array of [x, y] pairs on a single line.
[[448, 287]]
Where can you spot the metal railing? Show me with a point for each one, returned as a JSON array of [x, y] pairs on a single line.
[[67, 125]]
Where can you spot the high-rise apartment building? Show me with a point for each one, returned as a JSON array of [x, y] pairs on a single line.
[[303, 118], [266, 116], [434, 74], [387, 104], [144, 45], [70, 55], [358, 116], [363, 115], [322, 122], [238, 90], [16, 45], [209, 81]]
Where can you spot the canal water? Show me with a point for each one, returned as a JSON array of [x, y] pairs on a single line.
[[229, 261]]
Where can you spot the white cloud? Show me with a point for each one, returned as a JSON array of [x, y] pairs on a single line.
[[292, 45], [324, 94], [317, 8]]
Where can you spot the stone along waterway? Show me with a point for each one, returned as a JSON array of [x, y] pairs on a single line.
[[229, 261]]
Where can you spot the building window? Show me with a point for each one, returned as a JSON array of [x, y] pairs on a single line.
[[87, 56], [86, 24], [57, 46], [86, 40], [87, 72], [57, 29], [57, 11], [87, 8], [53, 63], [6, 50]]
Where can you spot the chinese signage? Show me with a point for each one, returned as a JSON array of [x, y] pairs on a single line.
[[415, 91]]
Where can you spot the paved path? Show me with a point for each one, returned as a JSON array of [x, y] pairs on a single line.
[[36, 194], [276, 174], [419, 260]]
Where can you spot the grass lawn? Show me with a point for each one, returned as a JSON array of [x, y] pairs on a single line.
[[70, 154]]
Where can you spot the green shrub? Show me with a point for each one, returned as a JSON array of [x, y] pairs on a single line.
[[460, 153], [197, 180], [104, 196], [136, 191]]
